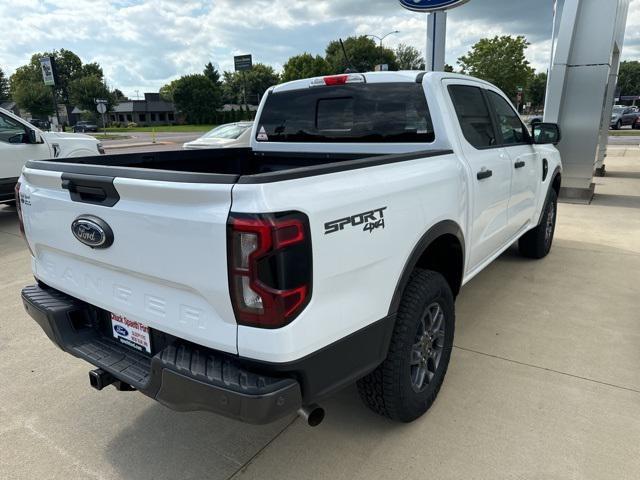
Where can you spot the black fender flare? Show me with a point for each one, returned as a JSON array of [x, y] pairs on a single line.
[[445, 227], [553, 177]]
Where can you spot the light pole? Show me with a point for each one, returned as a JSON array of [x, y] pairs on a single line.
[[381, 50], [383, 37]]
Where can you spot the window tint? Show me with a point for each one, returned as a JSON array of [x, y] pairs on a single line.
[[11, 131], [511, 127], [473, 115], [372, 113]]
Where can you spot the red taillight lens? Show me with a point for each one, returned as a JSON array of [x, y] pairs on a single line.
[[336, 80], [269, 267]]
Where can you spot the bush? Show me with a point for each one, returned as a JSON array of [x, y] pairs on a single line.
[[132, 125]]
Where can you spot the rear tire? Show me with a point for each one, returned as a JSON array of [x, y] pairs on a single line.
[[407, 383], [537, 243]]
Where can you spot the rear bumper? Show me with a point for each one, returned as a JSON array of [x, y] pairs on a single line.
[[182, 376]]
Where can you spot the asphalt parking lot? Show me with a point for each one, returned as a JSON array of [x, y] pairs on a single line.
[[544, 381]]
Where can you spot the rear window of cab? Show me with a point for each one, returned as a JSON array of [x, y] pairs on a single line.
[[367, 113]]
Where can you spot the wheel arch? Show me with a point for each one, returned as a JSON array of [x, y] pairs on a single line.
[[442, 249], [554, 185]]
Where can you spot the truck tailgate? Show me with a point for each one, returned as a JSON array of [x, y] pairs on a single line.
[[167, 266]]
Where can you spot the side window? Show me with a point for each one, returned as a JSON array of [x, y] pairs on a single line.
[[11, 131], [473, 115], [511, 127]]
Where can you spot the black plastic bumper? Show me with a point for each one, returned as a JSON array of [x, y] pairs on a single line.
[[181, 376]]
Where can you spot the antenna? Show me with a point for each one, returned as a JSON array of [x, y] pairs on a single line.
[[350, 68]]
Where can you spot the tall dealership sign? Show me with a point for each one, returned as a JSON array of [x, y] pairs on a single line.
[[436, 27]]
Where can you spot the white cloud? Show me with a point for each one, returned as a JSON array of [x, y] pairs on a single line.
[[143, 44]]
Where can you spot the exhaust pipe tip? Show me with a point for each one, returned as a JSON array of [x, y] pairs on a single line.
[[312, 414]]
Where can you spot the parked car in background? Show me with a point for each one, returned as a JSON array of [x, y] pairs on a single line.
[[21, 141], [44, 125], [623, 115], [230, 135], [535, 120], [83, 127]]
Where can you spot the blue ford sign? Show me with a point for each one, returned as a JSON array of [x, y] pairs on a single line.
[[430, 5]]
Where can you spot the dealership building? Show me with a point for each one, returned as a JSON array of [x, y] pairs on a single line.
[[150, 111]]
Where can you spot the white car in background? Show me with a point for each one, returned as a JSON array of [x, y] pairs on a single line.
[[20, 141], [230, 135]]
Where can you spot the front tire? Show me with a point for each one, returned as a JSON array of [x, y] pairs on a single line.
[[407, 383], [537, 243]]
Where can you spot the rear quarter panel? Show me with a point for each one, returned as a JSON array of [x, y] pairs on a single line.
[[355, 272]]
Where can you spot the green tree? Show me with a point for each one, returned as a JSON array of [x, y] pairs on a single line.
[[363, 55], [4, 87], [118, 96], [629, 78], [212, 74], [197, 97], [84, 90], [448, 68], [305, 65], [257, 81], [501, 61], [537, 90], [69, 68], [29, 92], [166, 91], [409, 58]]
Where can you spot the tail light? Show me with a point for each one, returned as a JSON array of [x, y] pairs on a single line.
[[333, 80], [269, 267]]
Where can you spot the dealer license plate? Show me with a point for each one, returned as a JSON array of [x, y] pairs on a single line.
[[131, 333]]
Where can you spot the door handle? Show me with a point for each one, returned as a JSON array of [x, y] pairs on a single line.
[[519, 164], [484, 173]]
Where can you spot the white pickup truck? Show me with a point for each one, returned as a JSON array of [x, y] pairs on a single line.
[[20, 141], [255, 282]]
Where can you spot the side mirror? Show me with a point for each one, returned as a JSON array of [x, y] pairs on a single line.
[[34, 136], [546, 133]]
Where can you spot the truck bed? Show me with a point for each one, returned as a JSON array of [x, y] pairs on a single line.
[[233, 165]]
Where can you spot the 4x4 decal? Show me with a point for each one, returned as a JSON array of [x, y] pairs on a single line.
[[371, 220]]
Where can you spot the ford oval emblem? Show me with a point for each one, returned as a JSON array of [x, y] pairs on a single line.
[[120, 330], [430, 5], [92, 231]]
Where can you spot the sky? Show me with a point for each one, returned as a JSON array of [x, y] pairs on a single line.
[[143, 44]]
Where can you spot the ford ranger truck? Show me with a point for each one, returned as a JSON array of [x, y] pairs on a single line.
[[254, 282], [20, 141]]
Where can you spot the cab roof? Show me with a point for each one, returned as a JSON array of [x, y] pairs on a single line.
[[408, 76]]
